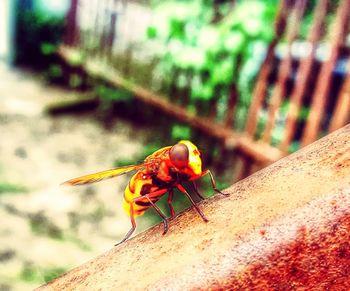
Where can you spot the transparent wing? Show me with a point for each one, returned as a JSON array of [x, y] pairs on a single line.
[[96, 177]]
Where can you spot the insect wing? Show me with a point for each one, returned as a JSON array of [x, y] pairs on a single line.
[[96, 177]]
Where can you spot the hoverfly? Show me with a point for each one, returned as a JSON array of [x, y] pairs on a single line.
[[160, 173]]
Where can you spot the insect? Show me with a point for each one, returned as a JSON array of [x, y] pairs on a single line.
[[161, 172]]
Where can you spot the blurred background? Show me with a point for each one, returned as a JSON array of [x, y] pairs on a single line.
[[87, 85]]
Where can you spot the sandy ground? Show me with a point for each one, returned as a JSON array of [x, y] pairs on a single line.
[[46, 228]]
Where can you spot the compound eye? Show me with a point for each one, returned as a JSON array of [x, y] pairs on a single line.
[[179, 155]]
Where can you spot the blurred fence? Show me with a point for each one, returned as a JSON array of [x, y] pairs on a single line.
[[301, 92]]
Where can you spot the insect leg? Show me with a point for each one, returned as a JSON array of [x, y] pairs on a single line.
[[195, 188], [213, 181], [183, 190], [165, 222], [155, 194], [133, 223], [170, 199]]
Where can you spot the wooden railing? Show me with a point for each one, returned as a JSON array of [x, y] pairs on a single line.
[[285, 227], [311, 90], [229, 138]]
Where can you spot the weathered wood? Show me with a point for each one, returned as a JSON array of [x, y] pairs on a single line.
[[341, 114], [231, 106], [284, 69], [260, 152], [245, 166], [111, 33], [213, 109], [71, 30], [77, 103], [303, 75], [287, 226], [233, 95], [97, 27], [89, 42], [262, 80], [186, 92], [312, 129]]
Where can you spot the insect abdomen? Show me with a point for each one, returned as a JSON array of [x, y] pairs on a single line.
[[139, 185]]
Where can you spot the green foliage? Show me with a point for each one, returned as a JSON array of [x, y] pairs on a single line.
[[83, 245], [112, 94], [277, 134], [294, 146], [41, 225], [151, 32], [303, 113], [75, 80], [47, 48], [179, 132], [148, 149], [11, 188], [55, 71], [76, 58], [37, 38], [124, 162], [210, 47], [31, 273], [52, 273]]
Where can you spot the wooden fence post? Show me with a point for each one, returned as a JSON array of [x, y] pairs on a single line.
[[72, 31], [319, 98], [303, 75], [284, 70]]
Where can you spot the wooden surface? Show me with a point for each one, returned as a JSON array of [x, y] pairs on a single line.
[[285, 227]]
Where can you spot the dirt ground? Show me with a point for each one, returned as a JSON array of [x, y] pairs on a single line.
[[46, 228]]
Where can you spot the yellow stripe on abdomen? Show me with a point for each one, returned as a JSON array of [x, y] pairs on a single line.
[[137, 185]]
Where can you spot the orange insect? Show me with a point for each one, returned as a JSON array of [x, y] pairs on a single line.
[[160, 173]]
